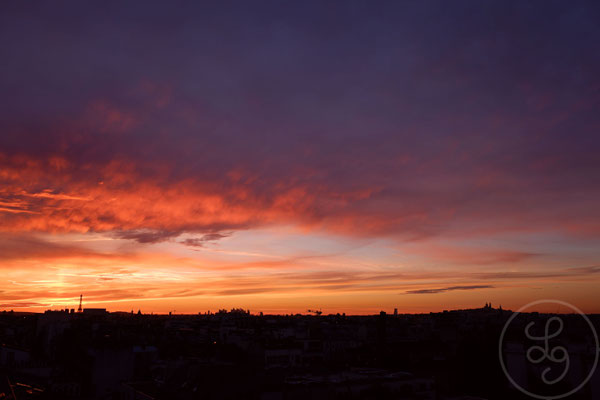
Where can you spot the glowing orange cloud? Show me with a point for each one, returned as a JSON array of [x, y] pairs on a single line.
[[49, 196]]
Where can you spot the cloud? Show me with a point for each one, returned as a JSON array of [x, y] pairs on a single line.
[[146, 236], [469, 254], [448, 289], [241, 292], [591, 270], [201, 241], [27, 246], [23, 304]]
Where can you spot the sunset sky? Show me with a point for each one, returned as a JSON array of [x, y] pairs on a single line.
[[286, 155]]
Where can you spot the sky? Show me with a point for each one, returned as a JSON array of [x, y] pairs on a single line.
[[349, 156]]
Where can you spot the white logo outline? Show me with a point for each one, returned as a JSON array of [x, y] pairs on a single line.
[[545, 349]]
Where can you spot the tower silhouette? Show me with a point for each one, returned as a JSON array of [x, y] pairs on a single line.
[[80, 301]]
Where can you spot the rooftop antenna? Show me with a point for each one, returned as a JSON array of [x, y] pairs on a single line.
[[80, 301]]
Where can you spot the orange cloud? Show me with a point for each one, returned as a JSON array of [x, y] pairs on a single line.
[[36, 196]]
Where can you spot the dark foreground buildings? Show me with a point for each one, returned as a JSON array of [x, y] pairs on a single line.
[[235, 355]]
